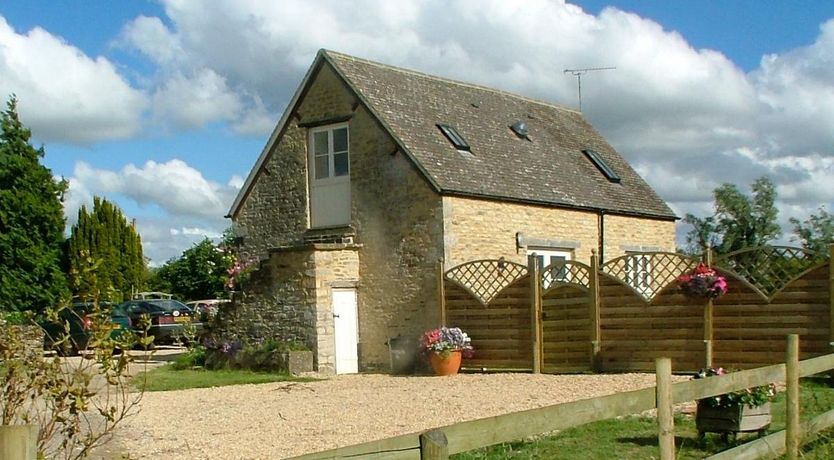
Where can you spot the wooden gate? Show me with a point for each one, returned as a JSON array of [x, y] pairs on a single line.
[[566, 319]]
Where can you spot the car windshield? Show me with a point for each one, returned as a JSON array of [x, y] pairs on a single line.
[[165, 305]]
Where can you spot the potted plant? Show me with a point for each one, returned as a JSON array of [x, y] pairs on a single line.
[[445, 347], [702, 283], [739, 411]]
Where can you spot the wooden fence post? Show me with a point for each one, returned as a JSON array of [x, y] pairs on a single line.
[[708, 334], [19, 442], [708, 318], [535, 310], [434, 446], [831, 294], [793, 431], [665, 417], [593, 304], [441, 291]]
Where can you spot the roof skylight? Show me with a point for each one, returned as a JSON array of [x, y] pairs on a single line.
[[454, 137], [603, 167]]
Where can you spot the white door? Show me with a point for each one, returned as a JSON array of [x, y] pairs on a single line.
[[346, 331]]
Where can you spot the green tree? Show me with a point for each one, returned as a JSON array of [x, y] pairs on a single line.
[[31, 221], [199, 273], [104, 234], [816, 233], [739, 221]]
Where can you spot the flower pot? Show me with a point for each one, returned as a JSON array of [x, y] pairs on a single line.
[[732, 419], [446, 365]]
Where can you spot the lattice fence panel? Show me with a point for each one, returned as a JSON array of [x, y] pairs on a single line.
[[649, 272], [747, 332], [565, 273], [500, 330], [485, 279], [768, 269]]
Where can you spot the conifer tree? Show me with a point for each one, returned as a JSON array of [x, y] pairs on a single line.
[[31, 221], [105, 235]]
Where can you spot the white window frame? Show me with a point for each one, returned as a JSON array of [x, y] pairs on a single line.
[[546, 256], [329, 196], [331, 177], [639, 272]]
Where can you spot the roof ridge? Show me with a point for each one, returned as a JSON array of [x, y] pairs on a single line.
[[448, 80]]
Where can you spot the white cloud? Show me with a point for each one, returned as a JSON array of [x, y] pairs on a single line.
[[174, 186], [65, 95], [191, 102]]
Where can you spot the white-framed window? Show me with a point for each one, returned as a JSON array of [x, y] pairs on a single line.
[[329, 146], [639, 272], [550, 256], [329, 167]]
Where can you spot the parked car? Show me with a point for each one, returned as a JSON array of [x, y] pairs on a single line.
[[206, 309], [168, 318], [79, 316]]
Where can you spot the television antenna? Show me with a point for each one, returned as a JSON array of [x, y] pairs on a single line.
[[578, 74]]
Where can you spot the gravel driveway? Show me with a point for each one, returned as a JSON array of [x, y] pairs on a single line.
[[279, 420]]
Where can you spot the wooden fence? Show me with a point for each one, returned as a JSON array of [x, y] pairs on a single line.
[[625, 313], [461, 437]]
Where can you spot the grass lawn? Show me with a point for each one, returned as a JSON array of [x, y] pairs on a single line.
[[636, 437], [166, 378]]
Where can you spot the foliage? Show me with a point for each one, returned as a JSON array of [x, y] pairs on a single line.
[[194, 357], [816, 233], [703, 282], [199, 273], [239, 272], [77, 403], [264, 356], [104, 234], [753, 397], [31, 222], [739, 221], [444, 340], [166, 378]]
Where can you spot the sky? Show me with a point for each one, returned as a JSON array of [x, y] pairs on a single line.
[[164, 106]]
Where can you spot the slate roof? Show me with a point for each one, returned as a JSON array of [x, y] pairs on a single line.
[[550, 168]]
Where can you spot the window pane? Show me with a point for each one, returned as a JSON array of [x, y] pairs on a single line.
[[322, 167], [340, 164], [340, 142], [320, 143]]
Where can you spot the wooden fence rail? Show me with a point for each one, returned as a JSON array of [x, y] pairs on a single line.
[[441, 442]]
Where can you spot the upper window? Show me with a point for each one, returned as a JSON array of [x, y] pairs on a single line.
[[454, 137], [330, 152], [600, 163]]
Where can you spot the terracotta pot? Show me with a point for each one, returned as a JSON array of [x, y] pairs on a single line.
[[448, 365]]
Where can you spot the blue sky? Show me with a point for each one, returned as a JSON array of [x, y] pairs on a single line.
[[163, 106]]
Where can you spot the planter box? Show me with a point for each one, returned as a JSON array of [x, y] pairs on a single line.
[[732, 419], [299, 362]]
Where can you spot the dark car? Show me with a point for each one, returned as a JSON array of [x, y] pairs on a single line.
[[79, 317], [168, 318]]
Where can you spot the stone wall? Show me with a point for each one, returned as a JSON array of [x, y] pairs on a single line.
[[396, 220], [483, 229], [275, 213], [335, 265], [277, 302]]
